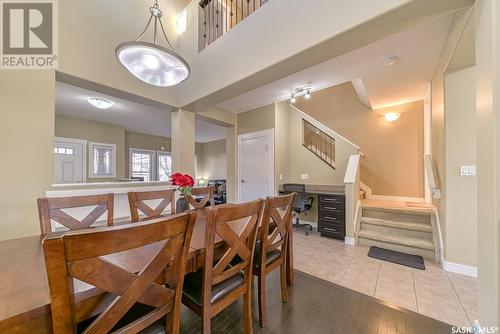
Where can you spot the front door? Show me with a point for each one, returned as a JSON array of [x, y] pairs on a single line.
[[68, 161], [256, 165]]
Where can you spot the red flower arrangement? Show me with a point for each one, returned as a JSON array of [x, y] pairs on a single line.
[[183, 182]]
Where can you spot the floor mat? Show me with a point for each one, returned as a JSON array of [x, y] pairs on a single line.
[[414, 261]]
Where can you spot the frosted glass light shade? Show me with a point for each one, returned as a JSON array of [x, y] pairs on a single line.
[[153, 64]]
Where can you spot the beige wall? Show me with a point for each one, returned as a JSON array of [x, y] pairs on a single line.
[[26, 143], [256, 120], [99, 132], [460, 149], [212, 160], [393, 162]]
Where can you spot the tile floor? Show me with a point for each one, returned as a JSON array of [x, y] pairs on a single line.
[[434, 292]]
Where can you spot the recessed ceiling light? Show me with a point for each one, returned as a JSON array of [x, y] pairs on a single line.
[[100, 103], [392, 116], [390, 60]]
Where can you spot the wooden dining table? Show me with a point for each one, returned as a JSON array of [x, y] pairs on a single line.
[[24, 291]]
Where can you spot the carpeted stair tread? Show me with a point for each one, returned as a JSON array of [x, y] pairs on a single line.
[[404, 241], [395, 224], [408, 211]]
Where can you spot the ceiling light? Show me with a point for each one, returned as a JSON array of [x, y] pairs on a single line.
[[293, 99], [151, 62], [392, 116], [390, 60], [308, 94], [100, 103]]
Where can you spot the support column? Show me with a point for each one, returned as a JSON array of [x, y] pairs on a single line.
[[488, 152], [231, 150], [183, 141]]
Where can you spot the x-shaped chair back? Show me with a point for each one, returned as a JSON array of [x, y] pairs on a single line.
[[88, 256], [52, 209], [208, 196], [275, 225], [136, 203], [240, 242]]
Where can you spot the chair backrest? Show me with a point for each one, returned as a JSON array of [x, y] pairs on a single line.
[[136, 201], [236, 225], [80, 255], [52, 209], [300, 197], [275, 226], [208, 196]]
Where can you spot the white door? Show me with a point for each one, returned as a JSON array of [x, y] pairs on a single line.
[[256, 165], [68, 161]]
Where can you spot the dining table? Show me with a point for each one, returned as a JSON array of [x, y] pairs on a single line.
[[24, 290]]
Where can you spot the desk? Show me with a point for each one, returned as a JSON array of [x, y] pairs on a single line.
[[331, 209], [24, 291]]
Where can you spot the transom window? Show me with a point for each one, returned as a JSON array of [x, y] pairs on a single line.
[[63, 151]]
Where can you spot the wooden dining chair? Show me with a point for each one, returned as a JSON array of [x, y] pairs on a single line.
[[161, 247], [52, 209], [137, 203], [271, 247], [208, 197], [219, 283]]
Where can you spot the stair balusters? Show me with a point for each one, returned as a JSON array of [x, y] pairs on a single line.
[[319, 143]]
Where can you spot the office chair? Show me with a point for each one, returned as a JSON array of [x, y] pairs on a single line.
[[301, 204]]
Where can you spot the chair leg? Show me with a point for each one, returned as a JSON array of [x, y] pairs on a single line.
[[306, 227], [284, 287], [262, 300], [247, 312], [206, 324]]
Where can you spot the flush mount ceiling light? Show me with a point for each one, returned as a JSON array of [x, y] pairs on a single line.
[[392, 116], [151, 62], [306, 91], [100, 103]]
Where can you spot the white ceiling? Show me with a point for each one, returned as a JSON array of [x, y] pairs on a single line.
[[417, 50], [72, 101]]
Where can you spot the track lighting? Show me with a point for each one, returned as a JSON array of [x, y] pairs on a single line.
[[293, 99], [308, 94], [306, 91]]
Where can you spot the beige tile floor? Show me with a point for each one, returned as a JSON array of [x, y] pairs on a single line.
[[434, 292]]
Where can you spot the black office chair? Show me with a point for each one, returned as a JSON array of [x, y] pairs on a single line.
[[301, 204]]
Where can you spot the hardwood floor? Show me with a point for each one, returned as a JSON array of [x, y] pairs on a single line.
[[316, 306]]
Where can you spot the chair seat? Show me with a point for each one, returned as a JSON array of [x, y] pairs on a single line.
[[270, 256], [193, 283]]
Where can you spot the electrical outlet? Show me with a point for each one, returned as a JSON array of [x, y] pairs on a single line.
[[466, 170], [304, 176]]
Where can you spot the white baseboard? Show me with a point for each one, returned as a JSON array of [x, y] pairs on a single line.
[[460, 269], [349, 241], [396, 198]]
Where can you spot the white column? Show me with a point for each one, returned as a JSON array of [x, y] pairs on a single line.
[[488, 152], [183, 141]]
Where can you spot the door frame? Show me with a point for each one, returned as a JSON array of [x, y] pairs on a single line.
[[82, 142], [269, 134]]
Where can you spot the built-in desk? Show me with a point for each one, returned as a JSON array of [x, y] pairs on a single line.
[[331, 209]]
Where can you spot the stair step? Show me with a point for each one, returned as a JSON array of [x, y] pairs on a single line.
[[403, 241], [398, 214], [395, 224], [415, 212]]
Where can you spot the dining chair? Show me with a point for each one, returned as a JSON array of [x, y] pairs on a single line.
[[52, 209], [161, 247], [271, 247], [208, 197], [137, 203], [221, 281]]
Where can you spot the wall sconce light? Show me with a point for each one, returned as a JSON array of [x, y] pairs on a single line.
[[392, 116], [202, 182]]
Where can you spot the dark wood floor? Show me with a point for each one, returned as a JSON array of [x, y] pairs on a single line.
[[316, 306]]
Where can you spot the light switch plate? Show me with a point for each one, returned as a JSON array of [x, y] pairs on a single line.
[[304, 176], [281, 176], [467, 170]]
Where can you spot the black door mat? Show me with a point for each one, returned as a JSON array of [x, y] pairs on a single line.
[[414, 261]]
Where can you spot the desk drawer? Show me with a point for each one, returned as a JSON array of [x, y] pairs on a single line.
[[331, 217], [332, 231], [331, 199], [334, 208]]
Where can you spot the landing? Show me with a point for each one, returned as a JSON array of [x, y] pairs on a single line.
[[407, 206]]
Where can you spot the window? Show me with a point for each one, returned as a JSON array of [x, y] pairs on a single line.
[[102, 160], [63, 151], [164, 166], [142, 164]]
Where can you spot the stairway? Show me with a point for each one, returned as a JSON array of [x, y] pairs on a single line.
[[401, 229]]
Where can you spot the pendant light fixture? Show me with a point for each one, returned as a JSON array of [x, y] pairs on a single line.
[[151, 62]]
